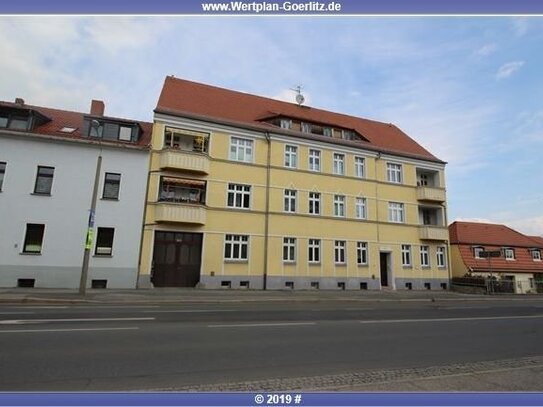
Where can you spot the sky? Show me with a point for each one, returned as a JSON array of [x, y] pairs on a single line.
[[469, 89]]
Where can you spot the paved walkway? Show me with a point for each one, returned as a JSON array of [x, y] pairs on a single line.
[[179, 295]]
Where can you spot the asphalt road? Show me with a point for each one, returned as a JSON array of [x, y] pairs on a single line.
[[143, 347]]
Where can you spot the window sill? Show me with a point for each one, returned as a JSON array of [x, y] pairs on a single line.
[[236, 261], [107, 256], [109, 199], [362, 265], [340, 264], [407, 267], [289, 263], [314, 263], [40, 194], [30, 254], [426, 267]]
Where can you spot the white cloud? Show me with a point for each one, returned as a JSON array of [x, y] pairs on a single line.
[[520, 26], [486, 50], [508, 69]]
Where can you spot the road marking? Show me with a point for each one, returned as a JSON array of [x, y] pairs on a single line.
[[16, 313], [394, 321], [359, 309], [11, 331], [261, 325], [113, 306], [464, 307], [43, 307], [191, 311], [37, 321]]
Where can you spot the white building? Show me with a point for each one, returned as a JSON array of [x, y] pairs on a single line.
[[48, 161]]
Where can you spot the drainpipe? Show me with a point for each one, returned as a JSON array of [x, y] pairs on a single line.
[[267, 211], [145, 203]]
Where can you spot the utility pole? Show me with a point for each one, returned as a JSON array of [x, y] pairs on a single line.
[[90, 227]]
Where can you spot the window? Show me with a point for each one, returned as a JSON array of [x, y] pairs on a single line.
[[347, 135], [185, 140], [182, 190], [18, 123], [314, 255], [241, 149], [236, 247], [396, 212], [104, 242], [290, 200], [125, 133], [362, 253], [112, 184], [306, 127], [44, 180], [314, 203], [2, 172], [359, 167], [286, 124], [33, 238], [314, 160], [289, 249], [339, 251], [291, 156], [440, 256], [339, 164], [327, 131], [536, 254], [239, 196], [406, 255], [361, 208], [339, 205], [509, 254], [394, 173], [425, 256], [3, 121], [477, 252]]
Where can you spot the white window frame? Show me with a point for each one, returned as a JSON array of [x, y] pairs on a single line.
[[359, 167], [340, 255], [241, 191], [536, 255], [509, 253], [241, 149], [286, 124], [441, 256], [314, 198], [328, 130], [291, 156], [314, 251], [289, 200], [339, 206], [394, 173], [339, 164], [406, 255], [361, 205], [425, 256], [396, 212], [362, 253], [289, 248], [314, 160], [238, 241], [305, 127], [477, 250]]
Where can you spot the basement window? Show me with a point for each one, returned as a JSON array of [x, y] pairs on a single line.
[[244, 284], [99, 284], [409, 286], [315, 285], [428, 286], [26, 282], [363, 286], [341, 285], [289, 284], [226, 284]]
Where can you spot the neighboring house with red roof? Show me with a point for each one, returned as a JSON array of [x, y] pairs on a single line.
[[48, 163], [252, 192], [519, 257]]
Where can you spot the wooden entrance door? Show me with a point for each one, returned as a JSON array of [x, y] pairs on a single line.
[[383, 257], [176, 259]]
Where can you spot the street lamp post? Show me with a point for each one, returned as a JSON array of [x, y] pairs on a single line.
[[90, 226]]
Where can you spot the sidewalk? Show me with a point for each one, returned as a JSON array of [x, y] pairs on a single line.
[[191, 295]]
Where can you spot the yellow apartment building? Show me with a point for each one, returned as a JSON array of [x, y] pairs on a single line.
[[251, 192]]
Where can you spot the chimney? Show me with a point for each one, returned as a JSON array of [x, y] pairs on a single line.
[[97, 108], [19, 101]]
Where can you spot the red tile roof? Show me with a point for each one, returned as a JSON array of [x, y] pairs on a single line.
[[187, 98], [65, 118], [467, 235]]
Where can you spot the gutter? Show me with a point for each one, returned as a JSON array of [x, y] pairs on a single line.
[[267, 211]]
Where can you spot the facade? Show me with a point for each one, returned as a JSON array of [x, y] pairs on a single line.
[[518, 256], [250, 192], [48, 161]]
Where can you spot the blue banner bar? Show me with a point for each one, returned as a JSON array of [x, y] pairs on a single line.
[[273, 7], [271, 399]]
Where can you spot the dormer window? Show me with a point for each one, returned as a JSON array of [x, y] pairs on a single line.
[[536, 255], [477, 252], [14, 122], [306, 127], [509, 254], [110, 130], [327, 132], [286, 124]]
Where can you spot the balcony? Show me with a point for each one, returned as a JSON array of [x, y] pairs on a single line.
[[433, 232], [425, 193], [173, 159], [180, 213]]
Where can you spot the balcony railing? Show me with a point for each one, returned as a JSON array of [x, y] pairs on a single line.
[[184, 160], [180, 213], [430, 194], [433, 232]]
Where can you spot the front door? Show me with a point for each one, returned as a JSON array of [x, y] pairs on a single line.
[[176, 259], [383, 257]]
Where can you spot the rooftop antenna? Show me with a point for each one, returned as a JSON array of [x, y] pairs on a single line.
[[300, 99]]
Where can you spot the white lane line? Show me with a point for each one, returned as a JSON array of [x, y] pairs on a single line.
[[11, 331], [37, 321], [190, 311], [75, 307], [359, 309], [41, 307], [261, 325], [395, 321], [464, 307]]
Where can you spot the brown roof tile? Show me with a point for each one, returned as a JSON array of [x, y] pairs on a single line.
[[184, 97]]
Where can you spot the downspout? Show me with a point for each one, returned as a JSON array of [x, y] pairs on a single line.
[[267, 211], [145, 203]]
